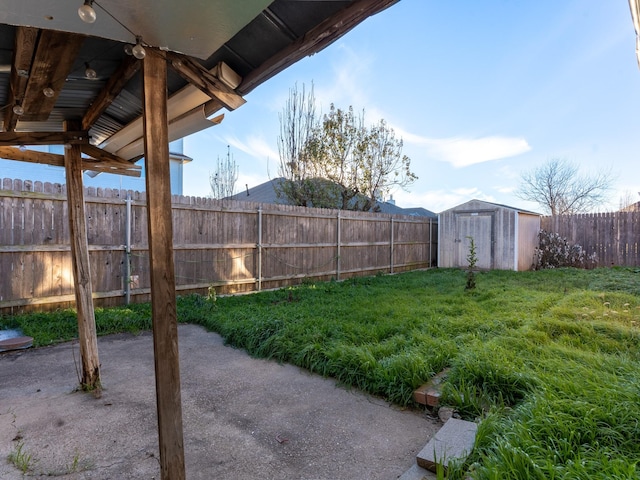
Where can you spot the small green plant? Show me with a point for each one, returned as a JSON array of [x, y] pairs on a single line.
[[78, 464], [440, 468], [211, 294], [75, 462], [472, 260], [22, 460]]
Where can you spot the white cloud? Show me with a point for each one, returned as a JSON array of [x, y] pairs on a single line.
[[440, 200], [503, 189], [463, 152], [348, 85], [254, 146]]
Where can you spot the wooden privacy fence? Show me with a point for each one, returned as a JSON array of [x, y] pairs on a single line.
[[614, 237], [230, 246]]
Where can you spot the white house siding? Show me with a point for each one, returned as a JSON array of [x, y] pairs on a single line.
[[175, 174]]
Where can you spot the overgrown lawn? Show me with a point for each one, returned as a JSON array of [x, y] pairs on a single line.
[[547, 361]]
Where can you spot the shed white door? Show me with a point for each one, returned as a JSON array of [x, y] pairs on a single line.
[[480, 228]]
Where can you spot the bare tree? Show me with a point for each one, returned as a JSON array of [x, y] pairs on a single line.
[[628, 202], [559, 189], [298, 124], [339, 162], [223, 180]]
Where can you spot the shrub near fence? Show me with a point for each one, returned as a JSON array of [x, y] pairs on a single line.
[[230, 245], [614, 237]]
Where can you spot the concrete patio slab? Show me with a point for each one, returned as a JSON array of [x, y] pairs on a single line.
[[244, 418]]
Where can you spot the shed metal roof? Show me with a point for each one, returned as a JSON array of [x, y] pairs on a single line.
[[519, 210]]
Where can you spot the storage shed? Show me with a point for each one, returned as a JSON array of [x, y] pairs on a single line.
[[505, 237]]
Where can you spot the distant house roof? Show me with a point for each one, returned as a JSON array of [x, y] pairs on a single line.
[[386, 207], [263, 193], [266, 193]]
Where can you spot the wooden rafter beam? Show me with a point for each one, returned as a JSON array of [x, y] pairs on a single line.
[[119, 166], [107, 161], [8, 139], [204, 80], [111, 90], [211, 107], [102, 167], [104, 156], [25, 44], [32, 156], [314, 40], [54, 58]]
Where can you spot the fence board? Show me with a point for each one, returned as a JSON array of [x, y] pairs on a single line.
[[216, 244], [614, 237]]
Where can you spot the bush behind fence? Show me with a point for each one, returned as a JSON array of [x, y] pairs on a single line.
[[614, 237], [229, 245]]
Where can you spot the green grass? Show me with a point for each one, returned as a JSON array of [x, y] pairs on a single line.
[[48, 328], [549, 361], [22, 460]]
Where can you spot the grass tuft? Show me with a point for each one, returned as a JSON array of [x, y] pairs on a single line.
[[21, 459]]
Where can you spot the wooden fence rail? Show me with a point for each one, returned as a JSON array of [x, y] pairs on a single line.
[[614, 237], [227, 245]]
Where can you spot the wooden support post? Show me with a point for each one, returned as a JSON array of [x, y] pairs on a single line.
[[163, 283], [81, 267]]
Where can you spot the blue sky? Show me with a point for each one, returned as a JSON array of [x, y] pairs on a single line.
[[479, 92]]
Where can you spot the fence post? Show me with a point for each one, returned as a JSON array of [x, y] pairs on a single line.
[[127, 250], [260, 248], [430, 243], [391, 249], [338, 249]]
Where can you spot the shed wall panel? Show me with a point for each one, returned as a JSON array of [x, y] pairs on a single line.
[[446, 239], [528, 228], [478, 227], [505, 239]]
